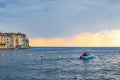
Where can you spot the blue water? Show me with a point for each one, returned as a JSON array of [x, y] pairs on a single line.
[[19, 65]]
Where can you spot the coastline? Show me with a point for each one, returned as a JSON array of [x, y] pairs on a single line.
[[13, 48]]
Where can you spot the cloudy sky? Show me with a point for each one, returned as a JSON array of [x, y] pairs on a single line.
[[63, 22]]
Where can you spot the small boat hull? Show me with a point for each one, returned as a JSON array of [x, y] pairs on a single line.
[[86, 57]]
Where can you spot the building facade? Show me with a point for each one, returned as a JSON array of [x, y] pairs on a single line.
[[2, 41], [13, 40], [8, 40]]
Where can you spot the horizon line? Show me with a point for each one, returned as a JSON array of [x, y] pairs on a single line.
[[75, 46]]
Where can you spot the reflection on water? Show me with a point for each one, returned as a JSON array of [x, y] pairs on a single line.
[[27, 64]]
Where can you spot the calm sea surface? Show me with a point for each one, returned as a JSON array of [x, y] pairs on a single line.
[[26, 64]]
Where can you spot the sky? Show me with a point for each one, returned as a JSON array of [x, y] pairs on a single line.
[[63, 22]]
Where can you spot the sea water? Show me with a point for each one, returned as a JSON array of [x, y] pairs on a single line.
[[27, 64]]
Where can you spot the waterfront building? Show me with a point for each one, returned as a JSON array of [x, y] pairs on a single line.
[[8, 41], [26, 43], [13, 40], [2, 41], [20, 40]]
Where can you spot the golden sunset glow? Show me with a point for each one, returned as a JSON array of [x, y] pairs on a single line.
[[103, 38]]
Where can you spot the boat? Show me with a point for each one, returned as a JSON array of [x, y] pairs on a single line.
[[87, 57]]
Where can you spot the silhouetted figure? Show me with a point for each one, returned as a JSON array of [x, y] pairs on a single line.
[[84, 55]]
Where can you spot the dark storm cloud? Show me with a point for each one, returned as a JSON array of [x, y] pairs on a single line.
[[58, 18]]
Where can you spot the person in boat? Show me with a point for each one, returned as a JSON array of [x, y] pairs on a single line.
[[84, 54]]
